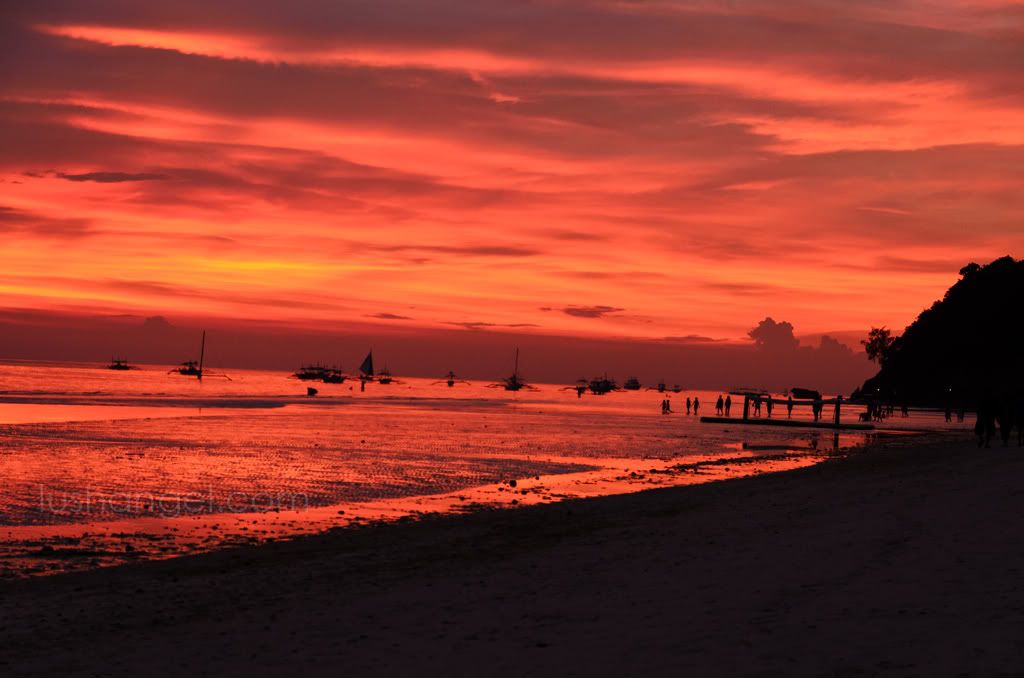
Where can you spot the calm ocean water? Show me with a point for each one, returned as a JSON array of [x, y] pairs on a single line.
[[87, 446]]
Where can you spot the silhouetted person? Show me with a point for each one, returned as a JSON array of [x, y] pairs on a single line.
[[985, 426], [949, 413], [362, 385], [961, 414], [1018, 418], [668, 406], [768, 406], [904, 410], [728, 404], [1004, 416], [816, 408], [696, 405], [789, 407], [757, 406], [720, 406], [689, 403]]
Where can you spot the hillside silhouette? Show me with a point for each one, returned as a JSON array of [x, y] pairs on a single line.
[[965, 348]]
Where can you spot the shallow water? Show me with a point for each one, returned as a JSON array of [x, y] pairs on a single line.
[[96, 465]]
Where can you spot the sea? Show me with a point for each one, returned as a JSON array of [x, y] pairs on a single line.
[[101, 467]]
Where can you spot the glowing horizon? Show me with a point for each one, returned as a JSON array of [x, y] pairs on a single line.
[[584, 168]]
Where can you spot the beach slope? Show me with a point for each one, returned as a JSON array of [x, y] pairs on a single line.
[[903, 559]]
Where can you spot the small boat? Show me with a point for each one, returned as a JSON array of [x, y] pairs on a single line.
[[451, 379], [631, 384], [333, 375], [191, 368], [805, 394], [120, 364], [515, 382], [660, 388], [384, 376], [310, 372], [603, 385]]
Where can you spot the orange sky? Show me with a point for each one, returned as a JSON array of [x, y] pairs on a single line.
[[594, 167]]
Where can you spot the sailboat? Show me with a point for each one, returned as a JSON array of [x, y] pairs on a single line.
[[366, 369]]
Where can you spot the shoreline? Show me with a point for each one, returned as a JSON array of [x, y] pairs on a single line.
[[900, 558]]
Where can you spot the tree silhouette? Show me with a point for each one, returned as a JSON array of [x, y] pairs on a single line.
[[878, 345]]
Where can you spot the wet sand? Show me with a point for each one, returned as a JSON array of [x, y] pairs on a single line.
[[902, 559]]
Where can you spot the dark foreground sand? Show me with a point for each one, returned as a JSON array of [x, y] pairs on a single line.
[[902, 561]]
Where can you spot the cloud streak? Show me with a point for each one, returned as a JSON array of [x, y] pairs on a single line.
[[695, 162]]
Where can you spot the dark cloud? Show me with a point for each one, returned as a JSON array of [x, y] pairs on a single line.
[[14, 221], [591, 311], [773, 336], [157, 323], [691, 339], [467, 250], [113, 177], [388, 316], [475, 325]]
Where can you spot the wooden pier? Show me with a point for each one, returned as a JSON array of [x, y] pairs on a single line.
[[834, 424]]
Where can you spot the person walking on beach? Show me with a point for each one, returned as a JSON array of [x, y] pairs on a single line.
[[757, 406], [985, 426], [728, 404], [789, 407], [696, 405], [1004, 416], [720, 406], [949, 413], [768, 406], [688, 405]]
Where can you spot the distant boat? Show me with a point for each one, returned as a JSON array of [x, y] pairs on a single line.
[[514, 382], [660, 388], [805, 394], [603, 385], [310, 372], [120, 364], [333, 375], [631, 384], [318, 372], [384, 376], [191, 368], [366, 369], [451, 379]]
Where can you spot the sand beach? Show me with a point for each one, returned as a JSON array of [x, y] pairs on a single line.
[[903, 559]]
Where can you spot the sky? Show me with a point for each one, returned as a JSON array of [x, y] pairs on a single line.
[[657, 171]]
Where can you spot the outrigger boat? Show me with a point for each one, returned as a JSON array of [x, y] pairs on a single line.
[[603, 385], [120, 364], [318, 372], [631, 384], [515, 382], [451, 379], [191, 368]]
